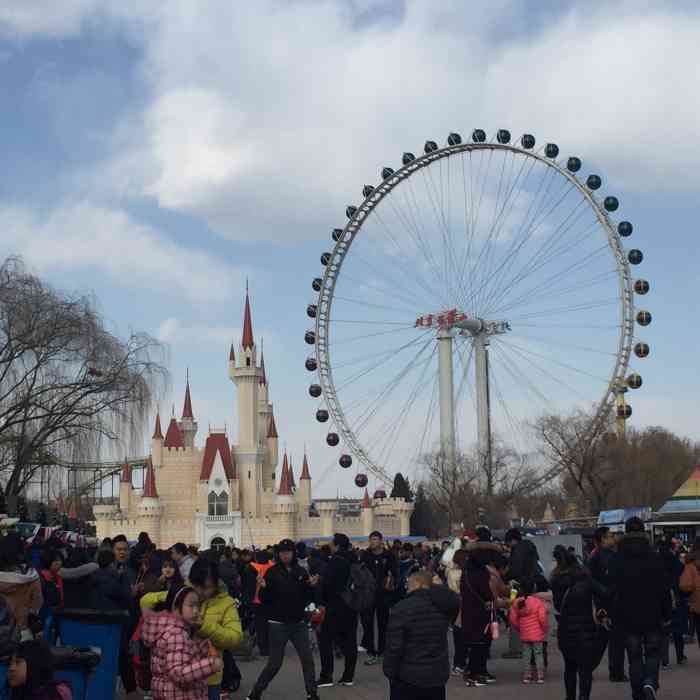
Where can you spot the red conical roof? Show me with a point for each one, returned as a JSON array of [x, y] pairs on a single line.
[[305, 470], [158, 433], [285, 487], [292, 483], [173, 438], [272, 427], [231, 354], [187, 408], [126, 473], [247, 341], [366, 503], [149, 484]]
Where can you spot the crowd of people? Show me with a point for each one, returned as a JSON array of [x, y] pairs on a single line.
[[187, 612]]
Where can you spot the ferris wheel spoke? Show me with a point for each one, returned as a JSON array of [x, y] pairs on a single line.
[[539, 259], [383, 353], [573, 346], [515, 428], [565, 310], [547, 287], [359, 284], [428, 425], [361, 302], [483, 279]]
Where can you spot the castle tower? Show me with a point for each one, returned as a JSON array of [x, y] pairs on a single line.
[[157, 444], [285, 505], [327, 509], [150, 509], [173, 436], [125, 488], [272, 453], [250, 448], [292, 482], [303, 493], [188, 426], [367, 515], [403, 510]]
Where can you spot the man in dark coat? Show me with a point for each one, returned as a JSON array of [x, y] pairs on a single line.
[[599, 565], [285, 591], [642, 605], [384, 566], [416, 659], [340, 621]]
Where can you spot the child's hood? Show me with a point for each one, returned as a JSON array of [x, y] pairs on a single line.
[[156, 625]]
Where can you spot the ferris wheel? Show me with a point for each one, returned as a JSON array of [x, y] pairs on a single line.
[[478, 286]]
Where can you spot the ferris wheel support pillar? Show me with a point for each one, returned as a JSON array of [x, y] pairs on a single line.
[[446, 383], [483, 399]]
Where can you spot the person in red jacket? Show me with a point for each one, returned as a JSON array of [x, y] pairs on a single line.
[[180, 662], [528, 615]]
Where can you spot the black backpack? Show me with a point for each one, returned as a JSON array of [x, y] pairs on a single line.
[[360, 592]]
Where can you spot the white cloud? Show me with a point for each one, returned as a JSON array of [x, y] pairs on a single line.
[[24, 18], [174, 331], [83, 235]]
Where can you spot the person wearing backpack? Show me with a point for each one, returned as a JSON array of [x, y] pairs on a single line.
[[340, 596], [384, 567]]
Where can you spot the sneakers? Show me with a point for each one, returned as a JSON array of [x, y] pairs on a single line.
[[649, 692], [683, 661], [457, 671], [372, 660], [539, 677], [489, 678], [361, 650], [527, 677], [325, 683], [347, 683], [474, 682]]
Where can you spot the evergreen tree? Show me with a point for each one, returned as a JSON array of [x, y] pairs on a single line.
[[401, 488], [426, 520]]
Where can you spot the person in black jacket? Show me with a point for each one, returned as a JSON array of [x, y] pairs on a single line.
[[340, 621], [285, 591], [416, 656], [581, 639], [383, 564], [600, 565], [642, 606]]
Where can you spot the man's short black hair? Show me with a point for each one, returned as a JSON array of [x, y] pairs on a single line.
[[341, 541], [181, 548], [513, 535], [105, 558], [203, 569], [600, 533], [634, 524], [376, 533], [119, 538], [407, 547]]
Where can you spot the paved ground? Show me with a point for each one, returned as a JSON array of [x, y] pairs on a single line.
[[676, 684]]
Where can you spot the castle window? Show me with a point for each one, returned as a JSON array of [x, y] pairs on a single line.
[[249, 475], [218, 505], [247, 362]]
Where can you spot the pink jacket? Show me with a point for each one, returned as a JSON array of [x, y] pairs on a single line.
[[531, 620], [179, 661]]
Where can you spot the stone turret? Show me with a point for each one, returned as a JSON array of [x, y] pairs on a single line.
[[367, 515], [188, 425], [303, 493], [150, 508], [327, 510], [157, 443], [125, 488]]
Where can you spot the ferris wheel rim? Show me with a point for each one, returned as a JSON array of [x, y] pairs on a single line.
[[354, 226]]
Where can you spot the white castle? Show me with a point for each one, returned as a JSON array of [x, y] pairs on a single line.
[[230, 494]]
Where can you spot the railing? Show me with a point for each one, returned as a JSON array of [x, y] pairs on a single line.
[[219, 518]]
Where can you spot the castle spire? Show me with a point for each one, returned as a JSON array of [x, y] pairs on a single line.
[[231, 354], [158, 432], [365, 501], [263, 376], [126, 472], [247, 341], [149, 484], [305, 469], [187, 408], [285, 487], [292, 483], [173, 437], [272, 427]]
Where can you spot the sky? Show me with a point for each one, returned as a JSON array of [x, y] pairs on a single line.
[[158, 155]]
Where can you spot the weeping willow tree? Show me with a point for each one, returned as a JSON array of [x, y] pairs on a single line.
[[70, 389]]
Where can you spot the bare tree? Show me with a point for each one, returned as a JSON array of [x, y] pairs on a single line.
[[578, 449], [68, 385]]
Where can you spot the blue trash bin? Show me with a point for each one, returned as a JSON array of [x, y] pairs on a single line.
[[75, 665], [102, 629]]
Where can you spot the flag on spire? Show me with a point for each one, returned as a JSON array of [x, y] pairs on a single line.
[[247, 341]]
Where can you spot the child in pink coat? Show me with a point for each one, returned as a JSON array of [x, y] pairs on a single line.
[[180, 661], [529, 616]]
